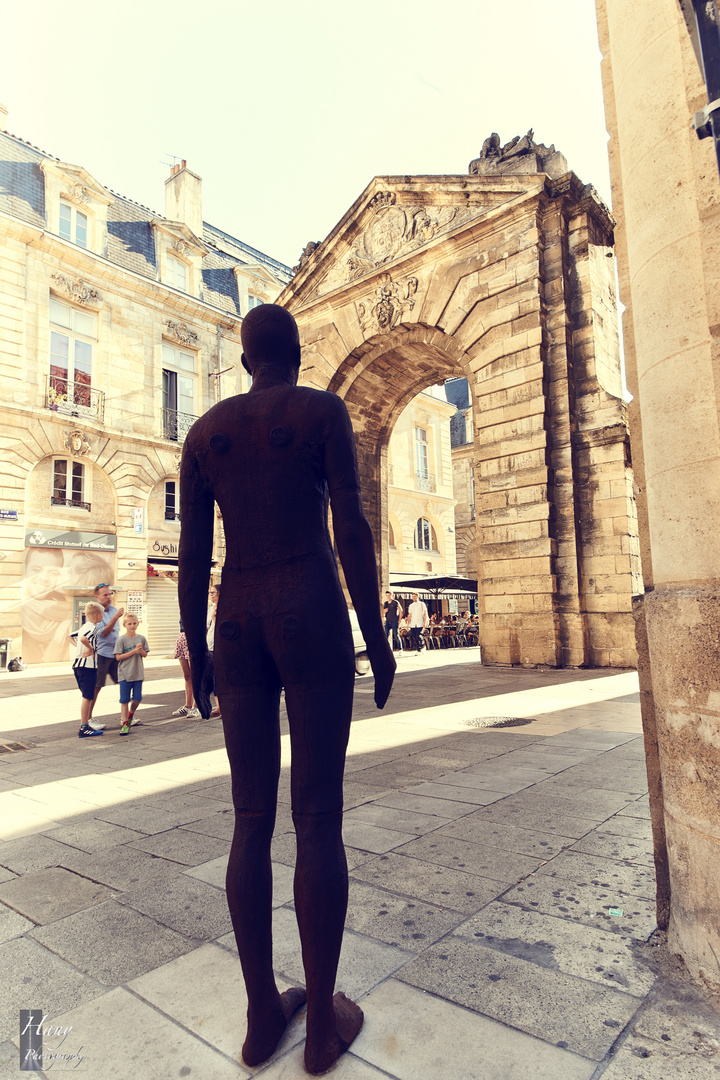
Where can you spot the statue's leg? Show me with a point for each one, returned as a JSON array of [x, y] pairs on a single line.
[[250, 720], [319, 728]]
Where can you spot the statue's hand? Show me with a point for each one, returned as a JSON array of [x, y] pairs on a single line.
[[202, 682], [383, 666]]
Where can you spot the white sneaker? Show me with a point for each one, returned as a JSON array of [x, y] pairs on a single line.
[[193, 714], [95, 725], [182, 711]]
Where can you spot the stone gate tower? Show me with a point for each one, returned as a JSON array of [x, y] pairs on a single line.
[[505, 276]]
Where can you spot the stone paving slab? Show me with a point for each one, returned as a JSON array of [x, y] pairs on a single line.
[[563, 1010], [442, 808], [221, 825], [587, 738], [30, 853], [407, 924], [489, 862], [540, 817], [12, 925], [610, 845], [387, 817], [636, 810], [48, 895], [589, 904], [630, 783], [558, 801], [157, 1046], [635, 828], [430, 882], [610, 873], [551, 942], [181, 846], [213, 873], [505, 781], [138, 943], [205, 993], [478, 829], [92, 835], [121, 868], [185, 904], [359, 834], [474, 796], [416, 1036], [34, 977]]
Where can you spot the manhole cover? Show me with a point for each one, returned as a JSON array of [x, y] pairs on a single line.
[[497, 721]]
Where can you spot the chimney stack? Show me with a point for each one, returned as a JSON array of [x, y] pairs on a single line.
[[183, 197]]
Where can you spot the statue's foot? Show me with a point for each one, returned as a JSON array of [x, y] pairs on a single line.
[[321, 1054], [265, 1032]]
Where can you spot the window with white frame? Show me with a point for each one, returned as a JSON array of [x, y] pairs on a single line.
[[253, 301], [74, 225], [73, 338], [176, 273], [421, 453], [425, 537], [68, 484], [178, 391]]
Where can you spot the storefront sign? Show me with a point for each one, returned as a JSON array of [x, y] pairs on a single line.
[[163, 549], [8, 515], [80, 541]]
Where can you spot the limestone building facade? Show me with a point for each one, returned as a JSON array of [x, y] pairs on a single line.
[[666, 196], [421, 519], [118, 326]]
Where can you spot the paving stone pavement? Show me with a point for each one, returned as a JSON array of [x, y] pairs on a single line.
[[501, 921]]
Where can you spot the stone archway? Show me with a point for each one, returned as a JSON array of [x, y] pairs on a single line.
[[508, 280]]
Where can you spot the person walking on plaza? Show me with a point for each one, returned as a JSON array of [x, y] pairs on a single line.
[[211, 619], [393, 611], [85, 670], [418, 613], [181, 653], [131, 648], [107, 637]]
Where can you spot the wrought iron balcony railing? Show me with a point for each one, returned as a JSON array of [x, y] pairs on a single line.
[[76, 504], [177, 424], [74, 398], [426, 483]]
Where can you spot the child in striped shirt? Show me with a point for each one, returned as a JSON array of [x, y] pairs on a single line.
[[84, 668]]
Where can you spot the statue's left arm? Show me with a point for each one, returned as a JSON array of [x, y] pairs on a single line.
[[194, 563]]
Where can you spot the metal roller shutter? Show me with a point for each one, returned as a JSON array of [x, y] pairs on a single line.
[[163, 615]]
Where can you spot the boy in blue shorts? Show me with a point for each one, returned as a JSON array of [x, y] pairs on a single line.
[[131, 648], [85, 668]]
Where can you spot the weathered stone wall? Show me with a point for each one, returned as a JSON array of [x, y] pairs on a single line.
[[500, 279], [666, 196]]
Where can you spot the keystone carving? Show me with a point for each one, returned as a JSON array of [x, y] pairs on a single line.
[[76, 289], [181, 333], [77, 442], [80, 194], [181, 247], [387, 306]]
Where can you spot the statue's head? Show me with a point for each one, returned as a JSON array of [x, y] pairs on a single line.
[[269, 336]]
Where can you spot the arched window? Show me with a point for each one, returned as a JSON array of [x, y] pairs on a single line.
[[391, 535], [425, 538]]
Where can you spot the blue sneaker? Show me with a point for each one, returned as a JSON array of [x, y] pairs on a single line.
[[86, 731]]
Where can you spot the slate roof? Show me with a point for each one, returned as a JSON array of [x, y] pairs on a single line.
[[130, 238]]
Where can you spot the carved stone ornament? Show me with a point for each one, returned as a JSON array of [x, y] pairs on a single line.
[[181, 333], [76, 289], [181, 247], [521, 154], [80, 194], [307, 253], [176, 462], [77, 442], [383, 200], [387, 306]]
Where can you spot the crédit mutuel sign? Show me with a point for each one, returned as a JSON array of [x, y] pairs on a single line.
[[80, 541]]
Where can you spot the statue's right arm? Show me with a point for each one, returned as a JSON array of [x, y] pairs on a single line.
[[194, 563]]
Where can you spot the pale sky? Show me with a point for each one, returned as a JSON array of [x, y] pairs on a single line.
[[288, 110]]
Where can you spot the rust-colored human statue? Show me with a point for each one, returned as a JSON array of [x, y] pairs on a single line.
[[270, 458]]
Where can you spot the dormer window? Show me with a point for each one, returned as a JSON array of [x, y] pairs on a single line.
[[176, 273], [73, 224], [253, 301]]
